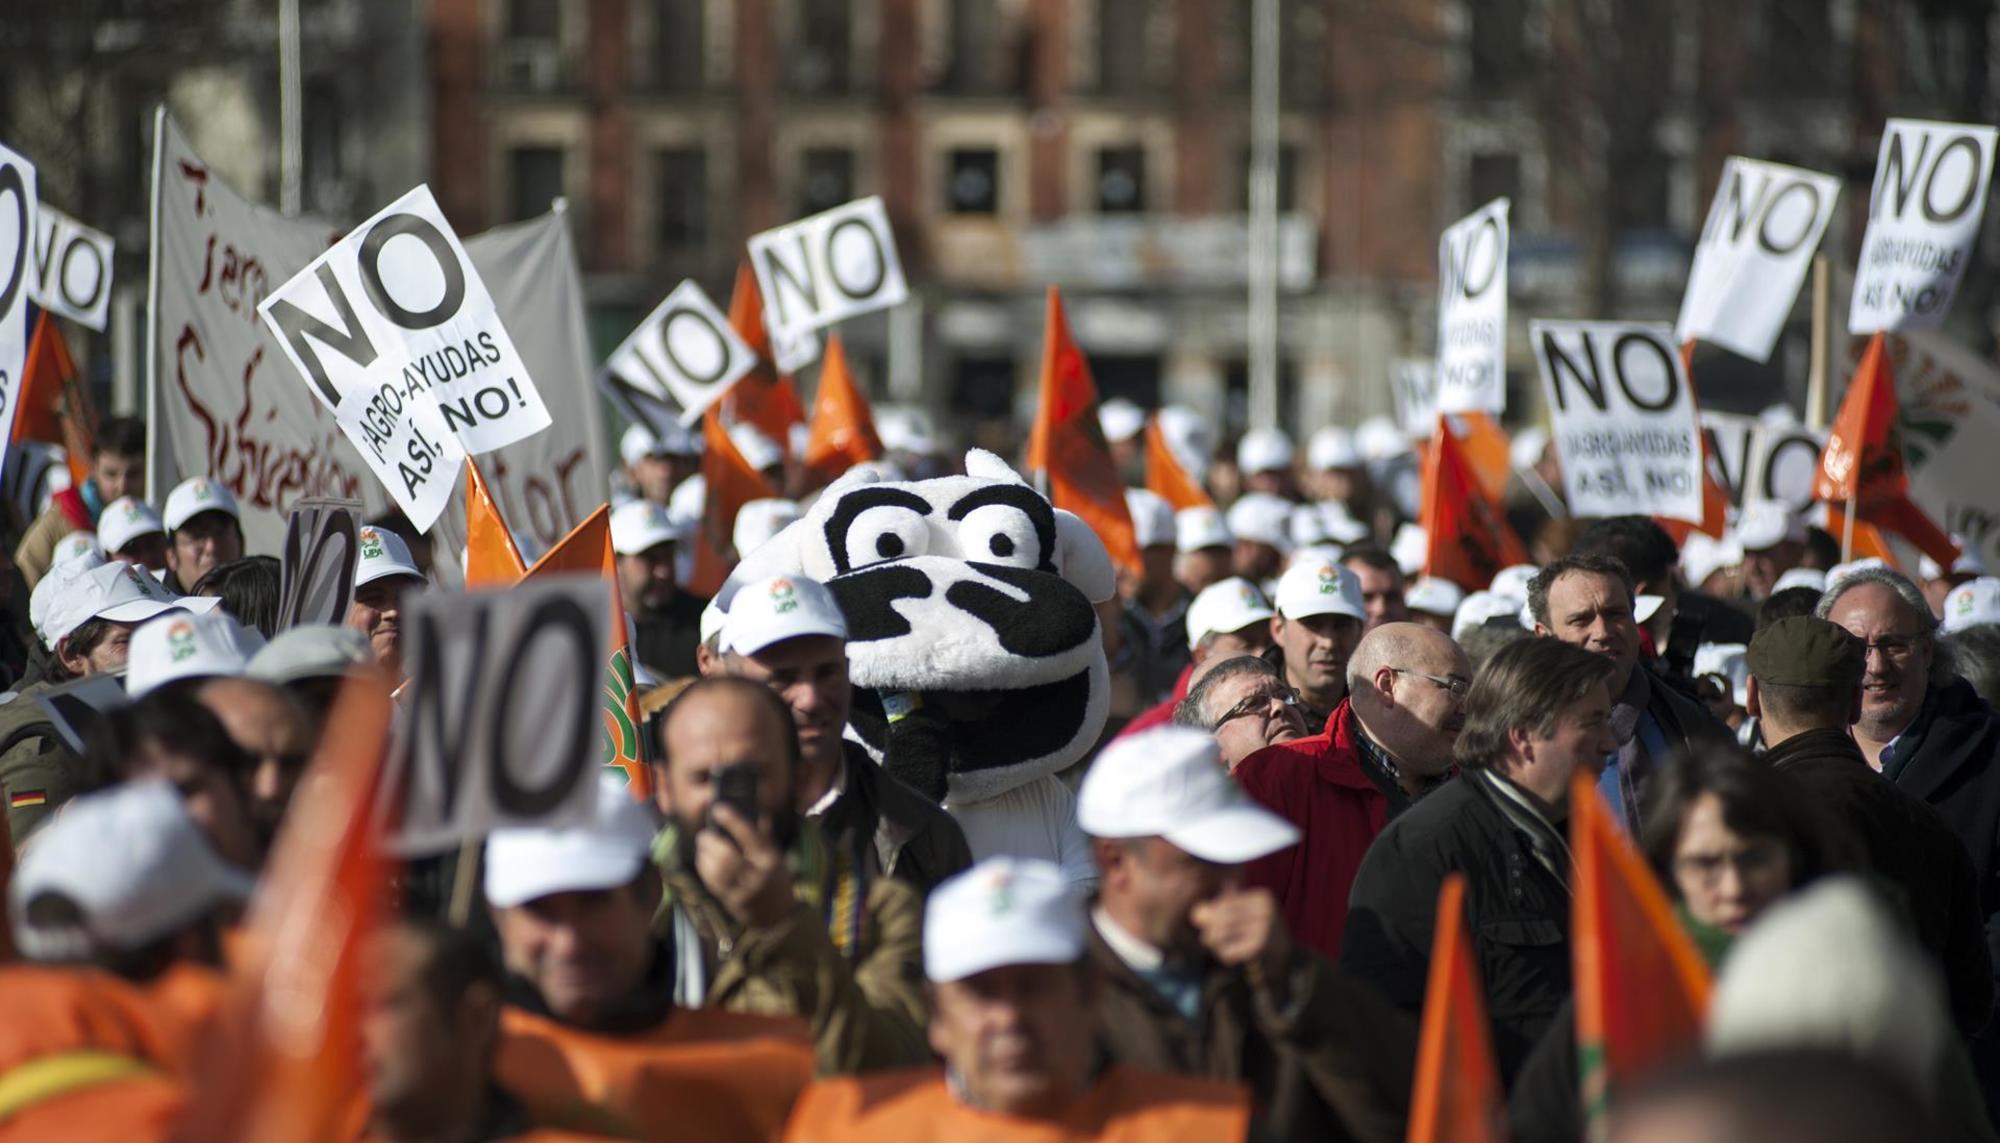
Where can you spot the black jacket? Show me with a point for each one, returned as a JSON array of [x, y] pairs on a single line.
[[666, 638], [1912, 849], [915, 840], [1516, 909]]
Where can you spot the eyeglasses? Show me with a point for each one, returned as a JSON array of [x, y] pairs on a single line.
[[1894, 648], [1259, 703], [1458, 688], [1706, 868]]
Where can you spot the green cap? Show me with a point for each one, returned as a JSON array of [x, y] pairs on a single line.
[[1806, 652]]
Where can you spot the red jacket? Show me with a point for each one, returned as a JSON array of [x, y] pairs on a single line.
[[1318, 785], [1162, 714]]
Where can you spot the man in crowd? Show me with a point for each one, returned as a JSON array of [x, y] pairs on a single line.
[[167, 735], [1262, 526], [1245, 704], [1686, 617], [1011, 1016], [1229, 618], [788, 634], [1587, 601], [763, 915], [1319, 621], [128, 530], [1264, 458], [1538, 713], [310, 662], [275, 731], [645, 539], [591, 1033], [1939, 581], [117, 468], [1805, 688], [384, 574], [1196, 974], [654, 465], [1153, 610], [1774, 542], [1381, 584], [204, 530], [1388, 744], [1204, 547]]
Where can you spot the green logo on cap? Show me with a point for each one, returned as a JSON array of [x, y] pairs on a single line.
[[201, 491], [784, 597], [1329, 580], [371, 544], [180, 641]]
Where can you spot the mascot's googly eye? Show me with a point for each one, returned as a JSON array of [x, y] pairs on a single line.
[[886, 532], [1000, 534]]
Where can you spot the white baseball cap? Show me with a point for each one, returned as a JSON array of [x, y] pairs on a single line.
[[383, 554], [759, 451], [311, 651], [1189, 436], [1200, 527], [1765, 524], [1170, 783], [125, 520], [641, 524], [1703, 555], [1323, 553], [1969, 561], [1330, 448], [176, 647], [1731, 661], [1340, 524], [1226, 606], [1264, 450], [527, 863], [783, 607], [689, 499], [758, 520], [1320, 588], [1971, 603], [1262, 518], [1153, 521], [1120, 419], [132, 860], [1480, 606], [1381, 440], [1512, 581], [1002, 911], [1307, 527], [1434, 596], [1410, 547], [712, 618], [43, 602], [76, 546], [640, 442], [1813, 578], [195, 495], [1645, 606], [116, 592]]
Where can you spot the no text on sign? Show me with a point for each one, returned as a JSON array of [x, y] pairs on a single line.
[[826, 268], [1622, 417]]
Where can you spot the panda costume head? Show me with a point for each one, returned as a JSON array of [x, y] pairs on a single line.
[[973, 642]]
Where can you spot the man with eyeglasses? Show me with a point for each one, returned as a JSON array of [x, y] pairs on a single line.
[[1386, 746], [1319, 621], [1245, 705]]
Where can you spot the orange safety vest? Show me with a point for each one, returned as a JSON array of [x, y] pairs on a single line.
[[1125, 1105], [87, 1056], [702, 1074]]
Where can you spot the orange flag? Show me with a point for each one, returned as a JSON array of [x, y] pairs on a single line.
[[1868, 539], [55, 405], [1164, 475], [1066, 444], [1458, 1096], [843, 428], [1484, 444], [1467, 538], [587, 550], [764, 397], [1641, 986], [491, 559], [1863, 459], [730, 484], [284, 1059]]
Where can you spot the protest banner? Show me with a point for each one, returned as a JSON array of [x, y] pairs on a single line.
[[1622, 417], [1780, 463], [78, 709], [1472, 312], [72, 269], [1762, 228], [422, 375], [1950, 417], [791, 354], [504, 710], [826, 268], [1728, 437], [1413, 381], [322, 543], [1923, 223], [684, 353], [220, 404], [18, 207]]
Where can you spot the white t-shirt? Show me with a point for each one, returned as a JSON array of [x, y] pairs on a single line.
[[1037, 819]]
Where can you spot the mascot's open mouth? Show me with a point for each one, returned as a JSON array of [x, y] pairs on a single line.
[[937, 733]]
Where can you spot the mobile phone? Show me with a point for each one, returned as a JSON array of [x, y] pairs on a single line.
[[736, 787]]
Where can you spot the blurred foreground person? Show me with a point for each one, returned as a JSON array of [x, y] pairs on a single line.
[[1011, 1016], [168, 735], [309, 662], [273, 729], [1787, 1096]]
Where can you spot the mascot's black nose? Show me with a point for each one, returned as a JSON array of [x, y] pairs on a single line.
[[1055, 617], [866, 600]]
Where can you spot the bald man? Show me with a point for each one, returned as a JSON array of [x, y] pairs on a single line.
[[1388, 744]]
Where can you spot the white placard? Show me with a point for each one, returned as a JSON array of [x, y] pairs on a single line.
[[795, 353], [1622, 417], [393, 330], [1729, 436], [827, 268], [18, 207], [1782, 463], [1472, 312], [1755, 248], [1414, 380], [684, 352], [72, 269], [1950, 420], [504, 711], [1923, 223]]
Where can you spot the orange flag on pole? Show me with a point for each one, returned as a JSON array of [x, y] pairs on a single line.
[[1165, 476], [843, 428], [1467, 538], [54, 406], [1066, 444], [1458, 1096], [1641, 986], [1484, 445], [730, 483], [587, 550], [1862, 463], [284, 1060], [491, 559], [764, 397]]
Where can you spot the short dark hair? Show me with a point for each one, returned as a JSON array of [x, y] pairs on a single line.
[[1787, 604], [758, 695], [248, 589], [1647, 551], [1484, 641], [1189, 711], [1756, 800], [1538, 587], [121, 436], [1373, 557], [1822, 550], [1525, 684], [82, 640], [171, 717]]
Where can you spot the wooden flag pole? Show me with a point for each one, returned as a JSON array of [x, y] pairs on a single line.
[[1822, 338], [463, 883], [1847, 531]]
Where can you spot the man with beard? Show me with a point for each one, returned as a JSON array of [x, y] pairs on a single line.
[[1319, 621], [1245, 705], [667, 620], [762, 914], [1386, 746], [384, 573]]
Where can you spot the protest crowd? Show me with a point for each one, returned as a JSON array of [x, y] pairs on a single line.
[[1407, 780]]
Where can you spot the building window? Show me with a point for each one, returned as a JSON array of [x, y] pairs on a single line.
[[822, 47], [826, 178], [972, 181], [534, 180], [678, 44], [1121, 46], [1288, 177], [1492, 176], [680, 176], [534, 19], [1498, 44], [1121, 180], [985, 50]]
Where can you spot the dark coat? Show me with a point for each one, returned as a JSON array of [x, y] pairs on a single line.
[[1955, 766], [1912, 849], [666, 639], [1516, 910], [915, 840], [1324, 1057]]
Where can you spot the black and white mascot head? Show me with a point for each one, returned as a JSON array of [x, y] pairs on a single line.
[[973, 642]]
